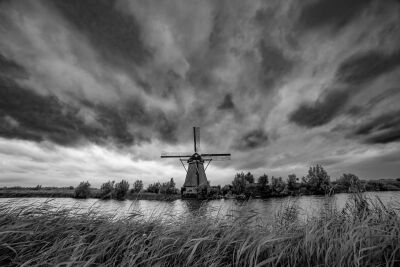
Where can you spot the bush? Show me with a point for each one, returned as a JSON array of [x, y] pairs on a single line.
[[277, 185], [350, 182], [121, 189], [82, 190], [291, 183], [137, 186], [154, 188], [239, 183], [107, 190]]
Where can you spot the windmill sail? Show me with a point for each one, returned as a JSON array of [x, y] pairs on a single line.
[[216, 157], [176, 154], [196, 139]]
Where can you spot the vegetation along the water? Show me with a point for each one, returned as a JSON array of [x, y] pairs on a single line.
[[244, 185], [364, 233]]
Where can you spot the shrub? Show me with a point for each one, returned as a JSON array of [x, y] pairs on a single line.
[[82, 190], [263, 180], [137, 186], [350, 182], [291, 183], [277, 184], [107, 190], [239, 183], [121, 189], [154, 188]]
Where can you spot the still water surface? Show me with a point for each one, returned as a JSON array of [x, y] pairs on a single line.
[[265, 209]]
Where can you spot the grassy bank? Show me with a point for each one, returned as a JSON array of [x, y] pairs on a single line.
[[27, 192], [66, 192], [363, 234]]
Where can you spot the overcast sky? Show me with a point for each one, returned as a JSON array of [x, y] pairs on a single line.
[[97, 89]]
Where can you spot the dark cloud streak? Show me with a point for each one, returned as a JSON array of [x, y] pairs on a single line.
[[381, 129], [252, 140], [367, 66], [323, 110], [335, 14]]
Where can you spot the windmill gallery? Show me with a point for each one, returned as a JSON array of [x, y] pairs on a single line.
[[195, 173]]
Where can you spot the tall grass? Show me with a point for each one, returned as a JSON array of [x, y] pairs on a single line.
[[364, 233]]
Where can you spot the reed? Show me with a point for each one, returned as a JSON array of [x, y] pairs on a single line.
[[364, 233]]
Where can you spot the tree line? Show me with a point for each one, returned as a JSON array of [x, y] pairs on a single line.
[[316, 182], [120, 190]]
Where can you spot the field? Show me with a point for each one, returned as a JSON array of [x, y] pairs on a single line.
[[364, 233]]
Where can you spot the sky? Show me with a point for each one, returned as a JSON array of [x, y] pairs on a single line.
[[97, 89]]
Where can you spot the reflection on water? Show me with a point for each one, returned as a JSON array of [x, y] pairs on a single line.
[[265, 209]]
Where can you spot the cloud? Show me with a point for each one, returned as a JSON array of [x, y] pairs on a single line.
[[252, 140], [133, 77], [334, 14], [10, 68], [274, 65], [366, 66], [380, 130], [227, 103], [322, 111], [115, 34]]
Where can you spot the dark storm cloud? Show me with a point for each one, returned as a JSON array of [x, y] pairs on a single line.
[[354, 71], [323, 110], [36, 117], [335, 14], [11, 68], [227, 103], [366, 66], [370, 105], [116, 34], [274, 65], [251, 140], [381, 129], [27, 115]]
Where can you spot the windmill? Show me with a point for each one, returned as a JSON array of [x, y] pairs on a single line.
[[195, 173]]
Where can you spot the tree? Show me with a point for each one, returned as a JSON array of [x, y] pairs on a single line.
[[277, 184], [239, 183], [317, 179], [249, 178], [292, 179], [226, 189], [349, 181], [82, 190], [263, 180], [171, 187], [137, 186], [107, 190], [121, 189], [154, 188]]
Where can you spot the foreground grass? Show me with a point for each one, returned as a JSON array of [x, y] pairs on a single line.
[[363, 234]]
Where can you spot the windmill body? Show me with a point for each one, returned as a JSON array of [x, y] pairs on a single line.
[[195, 173]]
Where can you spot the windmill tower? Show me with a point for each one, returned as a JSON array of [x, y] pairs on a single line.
[[195, 173]]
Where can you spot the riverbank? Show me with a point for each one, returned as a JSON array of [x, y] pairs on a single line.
[[362, 234], [253, 192], [66, 192]]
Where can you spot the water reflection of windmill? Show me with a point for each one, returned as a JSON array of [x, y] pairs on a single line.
[[195, 173]]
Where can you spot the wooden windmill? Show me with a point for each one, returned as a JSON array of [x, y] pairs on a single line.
[[195, 173]]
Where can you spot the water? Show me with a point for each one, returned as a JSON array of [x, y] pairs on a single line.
[[265, 209]]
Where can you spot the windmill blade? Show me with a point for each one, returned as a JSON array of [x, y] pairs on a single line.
[[196, 139], [176, 155], [217, 157]]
